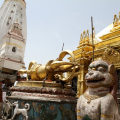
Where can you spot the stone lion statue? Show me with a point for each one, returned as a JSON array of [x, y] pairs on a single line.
[[99, 102]]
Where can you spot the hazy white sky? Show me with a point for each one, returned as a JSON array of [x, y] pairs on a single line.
[[50, 23]]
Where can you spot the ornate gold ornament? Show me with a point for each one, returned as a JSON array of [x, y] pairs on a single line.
[[106, 116], [79, 117], [54, 69], [92, 97], [111, 55]]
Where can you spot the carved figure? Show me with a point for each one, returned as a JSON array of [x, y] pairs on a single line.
[[99, 102], [81, 38], [18, 111], [6, 110], [46, 115], [16, 29], [54, 69], [115, 21], [110, 54], [84, 36], [65, 112]]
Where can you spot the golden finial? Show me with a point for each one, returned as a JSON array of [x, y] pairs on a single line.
[[81, 38], [81, 34], [119, 15], [84, 36], [87, 36], [115, 21], [84, 32]]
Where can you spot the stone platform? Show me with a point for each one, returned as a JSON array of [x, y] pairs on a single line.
[[46, 103]]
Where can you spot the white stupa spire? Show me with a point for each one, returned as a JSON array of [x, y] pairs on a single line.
[[11, 11], [13, 33]]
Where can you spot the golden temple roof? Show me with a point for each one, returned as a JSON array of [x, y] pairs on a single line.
[[103, 32]]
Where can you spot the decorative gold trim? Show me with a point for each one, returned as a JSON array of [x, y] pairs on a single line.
[[107, 116], [79, 117], [7, 43], [40, 84], [78, 111], [92, 97], [22, 2]]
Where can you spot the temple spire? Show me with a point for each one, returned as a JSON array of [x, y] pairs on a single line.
[[13, 26]]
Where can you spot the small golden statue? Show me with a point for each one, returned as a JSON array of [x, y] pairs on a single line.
[[54, 69]]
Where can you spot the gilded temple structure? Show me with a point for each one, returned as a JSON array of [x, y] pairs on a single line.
[[106, 46]]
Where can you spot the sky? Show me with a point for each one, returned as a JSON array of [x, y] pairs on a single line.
[[50, 23]]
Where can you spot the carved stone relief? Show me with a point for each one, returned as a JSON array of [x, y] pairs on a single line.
[[7, 110], [18, 111], [65, 112], [110, 54]]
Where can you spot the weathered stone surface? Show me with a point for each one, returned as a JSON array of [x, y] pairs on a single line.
[[45, 103]]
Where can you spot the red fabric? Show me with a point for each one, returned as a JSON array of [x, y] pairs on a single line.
[[48, 80]]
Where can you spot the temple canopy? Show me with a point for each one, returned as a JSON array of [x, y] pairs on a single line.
[[103, 32]]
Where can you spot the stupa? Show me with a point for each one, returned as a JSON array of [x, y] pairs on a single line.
[[13, 35]]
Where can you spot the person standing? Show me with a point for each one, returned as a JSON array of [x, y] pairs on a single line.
[[18, 79]]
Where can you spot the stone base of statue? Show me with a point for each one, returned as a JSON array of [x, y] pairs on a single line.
[[50, 102]]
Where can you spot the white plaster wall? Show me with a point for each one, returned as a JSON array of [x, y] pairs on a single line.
[[12, 65], [7, 16], [7, 49]]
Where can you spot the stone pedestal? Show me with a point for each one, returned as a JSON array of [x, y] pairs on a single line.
[[46, 103]]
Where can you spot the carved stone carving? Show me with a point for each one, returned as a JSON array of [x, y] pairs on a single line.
[[6, 110], [65, 112], [99, 102], [47, 115], [18, 111], [16, 30], [43, 90], [111, 55]]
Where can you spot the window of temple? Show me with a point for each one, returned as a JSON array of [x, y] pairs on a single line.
[[14, 49], [7, 23]]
